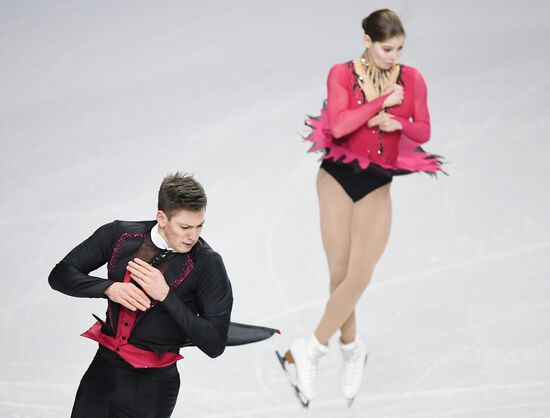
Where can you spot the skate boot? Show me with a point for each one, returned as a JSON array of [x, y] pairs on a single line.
[[354, 357], [304, 354]]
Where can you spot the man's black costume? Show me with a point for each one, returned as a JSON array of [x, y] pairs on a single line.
[[138, 350]]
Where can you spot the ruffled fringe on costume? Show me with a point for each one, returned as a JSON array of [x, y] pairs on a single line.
[[411, 157]]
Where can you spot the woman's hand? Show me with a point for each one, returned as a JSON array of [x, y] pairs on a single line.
[[396, 96], [390, 125], [385, 122], [378, 119]]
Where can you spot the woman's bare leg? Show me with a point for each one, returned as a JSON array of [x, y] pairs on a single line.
[[370, 227]]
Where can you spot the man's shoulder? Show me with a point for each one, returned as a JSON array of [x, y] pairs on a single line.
[[132, 227], [204, 255], [202, 250], [116, 230], [209, 265]]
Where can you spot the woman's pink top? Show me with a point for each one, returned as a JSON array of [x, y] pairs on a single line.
[[342, 131]]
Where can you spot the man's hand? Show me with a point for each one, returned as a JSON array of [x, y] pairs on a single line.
[[149, 278], [128, 295]]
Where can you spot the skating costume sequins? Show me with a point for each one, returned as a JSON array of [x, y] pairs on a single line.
[[127, 319], [111, 267], [373, 82], [116, 250]]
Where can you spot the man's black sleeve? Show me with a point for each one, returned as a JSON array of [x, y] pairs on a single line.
[[208, 331], [71, 275]]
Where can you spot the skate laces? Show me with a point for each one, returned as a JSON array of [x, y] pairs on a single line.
[[350, 362], [310, 372]]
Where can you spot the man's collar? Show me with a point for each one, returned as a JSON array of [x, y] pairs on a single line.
[[158, 240]]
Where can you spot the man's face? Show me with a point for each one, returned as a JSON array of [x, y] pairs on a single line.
[[183, 229]]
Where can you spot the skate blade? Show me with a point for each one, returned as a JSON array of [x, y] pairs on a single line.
[[283, 360], [350, 401], [287, 358]]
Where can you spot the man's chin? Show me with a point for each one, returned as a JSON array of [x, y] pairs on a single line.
[[185, 248]]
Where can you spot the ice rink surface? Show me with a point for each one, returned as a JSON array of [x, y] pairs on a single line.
[[99, 100]]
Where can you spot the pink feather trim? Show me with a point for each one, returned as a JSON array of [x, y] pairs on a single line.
[[411, 157]]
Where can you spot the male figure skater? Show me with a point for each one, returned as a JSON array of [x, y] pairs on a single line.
[[166, 288]]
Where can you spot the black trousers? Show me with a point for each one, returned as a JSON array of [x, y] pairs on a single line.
[[111, 388]]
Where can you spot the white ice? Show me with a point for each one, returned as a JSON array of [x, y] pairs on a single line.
[[99, 100]]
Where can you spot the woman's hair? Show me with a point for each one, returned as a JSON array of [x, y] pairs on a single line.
[[382, 25], [180, 191]]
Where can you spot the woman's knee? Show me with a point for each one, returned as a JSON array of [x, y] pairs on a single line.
[[337, 276], [358, 283]]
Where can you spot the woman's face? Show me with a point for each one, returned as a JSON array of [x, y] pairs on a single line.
[[386, 53]]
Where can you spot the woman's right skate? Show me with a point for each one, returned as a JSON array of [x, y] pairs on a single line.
[[304, 355]]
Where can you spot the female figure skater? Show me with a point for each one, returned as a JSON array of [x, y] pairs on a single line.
[[370, 129]]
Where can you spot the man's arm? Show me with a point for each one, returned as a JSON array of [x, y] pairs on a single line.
[[71, 275], [208, 331]]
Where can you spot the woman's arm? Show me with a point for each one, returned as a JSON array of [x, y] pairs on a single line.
[[418, 129], [343, 120]]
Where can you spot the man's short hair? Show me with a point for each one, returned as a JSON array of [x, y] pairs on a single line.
[[180, 191]]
